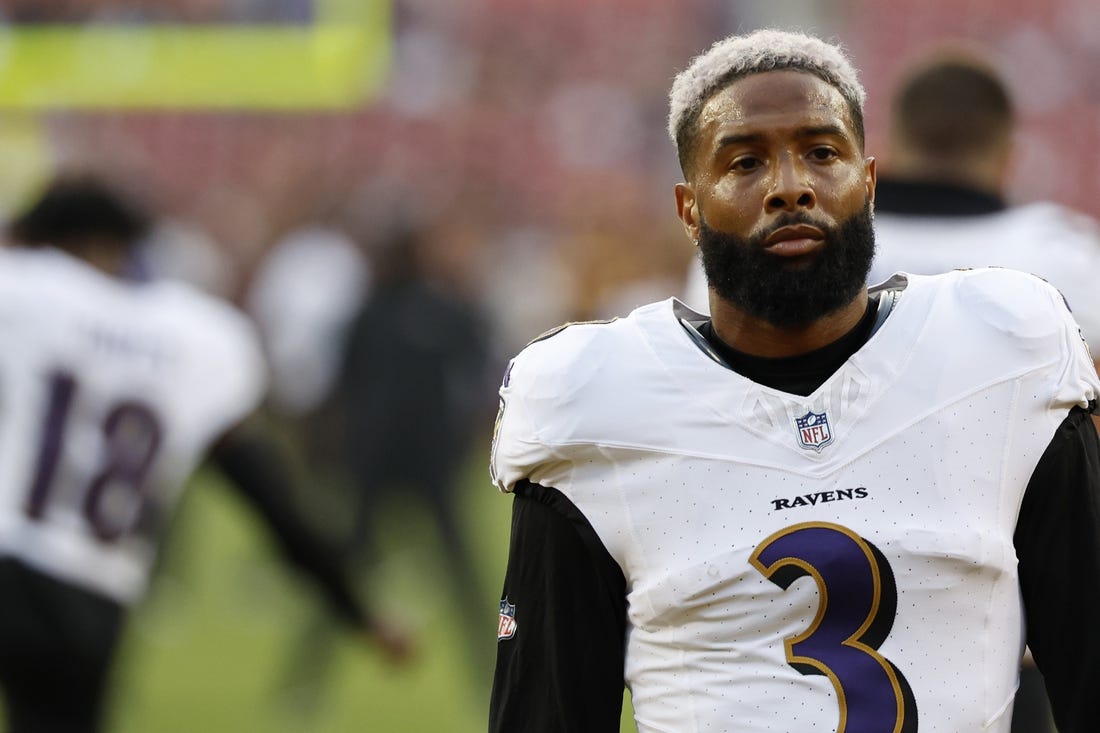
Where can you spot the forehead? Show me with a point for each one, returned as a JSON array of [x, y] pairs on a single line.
[[773, 101]]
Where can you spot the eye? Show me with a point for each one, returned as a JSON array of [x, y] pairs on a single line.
[[823, 153], [745, 163]]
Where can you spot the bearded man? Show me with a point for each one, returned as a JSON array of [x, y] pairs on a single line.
[[821, 508]]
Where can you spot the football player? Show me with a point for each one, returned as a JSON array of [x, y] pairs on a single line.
[[944, 203], [112, 389], [821, 507]]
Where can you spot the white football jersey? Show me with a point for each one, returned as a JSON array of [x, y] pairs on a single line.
[[110, 392], [1060, 245], [843, 560]]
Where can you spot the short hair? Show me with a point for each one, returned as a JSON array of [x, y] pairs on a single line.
[[73, 209], [736, 57], [953, 105]]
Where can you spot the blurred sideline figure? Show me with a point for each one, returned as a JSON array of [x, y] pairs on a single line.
[[180, 250], [302, 298], [392, 407], [413, 385], [112, 390], [941, 205]]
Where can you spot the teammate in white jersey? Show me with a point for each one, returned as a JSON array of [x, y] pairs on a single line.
[[941, 204], [111, 391], [821, 508]]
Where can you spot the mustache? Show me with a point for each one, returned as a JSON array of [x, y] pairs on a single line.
[[786, 220]]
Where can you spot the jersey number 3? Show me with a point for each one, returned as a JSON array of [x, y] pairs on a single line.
[[855, 615]]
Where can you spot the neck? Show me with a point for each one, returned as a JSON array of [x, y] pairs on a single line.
[[104, 255], [756, 337], [981, 172]]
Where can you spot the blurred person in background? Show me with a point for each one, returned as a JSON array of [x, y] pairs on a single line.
[[302, 296], [942, 201], [823, 507], [414, 392], [176, 249], [941, 204], [113, 389]]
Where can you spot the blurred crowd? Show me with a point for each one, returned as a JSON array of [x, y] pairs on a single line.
[[533, 168], [527, 136]]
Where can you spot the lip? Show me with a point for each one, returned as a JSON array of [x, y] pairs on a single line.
[[795, 240]]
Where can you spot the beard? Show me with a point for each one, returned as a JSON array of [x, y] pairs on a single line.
[[790, 293]]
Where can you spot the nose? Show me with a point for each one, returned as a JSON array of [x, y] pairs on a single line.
[[791, 189]]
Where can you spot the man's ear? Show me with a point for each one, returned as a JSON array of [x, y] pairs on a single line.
[[871, 177], [687, 208]]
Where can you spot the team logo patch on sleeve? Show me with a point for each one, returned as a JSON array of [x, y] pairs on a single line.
[[813, 430], [506, 628]]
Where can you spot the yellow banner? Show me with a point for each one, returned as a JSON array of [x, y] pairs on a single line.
[[331, 64]]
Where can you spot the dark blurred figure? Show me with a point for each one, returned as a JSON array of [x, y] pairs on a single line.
[[114, 388], [413, 388]]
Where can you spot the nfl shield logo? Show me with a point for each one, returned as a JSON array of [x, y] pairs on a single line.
[[506, 628], [813, 430]]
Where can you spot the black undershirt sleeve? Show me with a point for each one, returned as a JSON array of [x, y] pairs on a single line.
[[257, 468], [562, 669], [1058, 546]]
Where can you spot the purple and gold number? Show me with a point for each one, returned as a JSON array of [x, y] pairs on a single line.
[[111, 498], [854, 616]]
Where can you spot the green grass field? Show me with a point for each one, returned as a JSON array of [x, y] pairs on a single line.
[[213, 648]]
